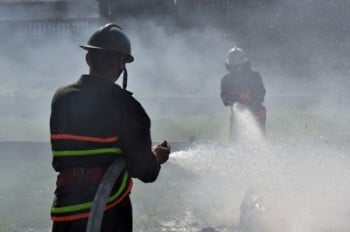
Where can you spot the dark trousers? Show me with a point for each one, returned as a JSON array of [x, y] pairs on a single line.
[[117, 219]]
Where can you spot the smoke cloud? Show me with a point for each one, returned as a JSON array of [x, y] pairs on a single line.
[[301, 48]]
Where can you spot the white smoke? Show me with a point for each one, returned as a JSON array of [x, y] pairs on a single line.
[[256, 185], [300, 174]]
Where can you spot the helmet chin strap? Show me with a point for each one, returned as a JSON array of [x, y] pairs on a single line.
[[125, 78]]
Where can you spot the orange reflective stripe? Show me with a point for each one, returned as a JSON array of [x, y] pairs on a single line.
[[83, 138], [127, 191]]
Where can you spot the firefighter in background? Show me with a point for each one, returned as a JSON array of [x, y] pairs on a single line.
[[243, 85], [92, 122]]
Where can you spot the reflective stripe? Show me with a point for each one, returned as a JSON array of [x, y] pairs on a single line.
[[127, 191], [88, 205], [84, 138], [77, 211], [87, 152], [70, 218], [86, 215]]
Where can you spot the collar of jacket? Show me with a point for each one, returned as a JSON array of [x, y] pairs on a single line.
[[100, 81]]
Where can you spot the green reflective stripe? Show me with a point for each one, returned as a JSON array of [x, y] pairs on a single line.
[[88, 205], [87, 152], [121, 188]]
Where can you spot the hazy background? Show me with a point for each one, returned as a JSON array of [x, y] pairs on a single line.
[[301, 48]]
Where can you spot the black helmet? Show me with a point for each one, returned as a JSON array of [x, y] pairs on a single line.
[[236, 56], [110, 37]]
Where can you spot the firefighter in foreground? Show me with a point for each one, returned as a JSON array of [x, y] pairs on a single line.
[[244, 86], [93, 121]]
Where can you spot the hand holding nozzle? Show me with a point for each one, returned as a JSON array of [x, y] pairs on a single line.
[[230, 98], [161, 151]]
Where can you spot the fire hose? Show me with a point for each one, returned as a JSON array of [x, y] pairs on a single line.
[[102, 193]]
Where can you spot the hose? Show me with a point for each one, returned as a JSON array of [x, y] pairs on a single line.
[[102, 193]]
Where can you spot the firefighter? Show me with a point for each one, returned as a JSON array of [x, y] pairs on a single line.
[[92, 122], [244, 86]]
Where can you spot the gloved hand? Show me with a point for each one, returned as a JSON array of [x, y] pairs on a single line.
[[229, 100], [161, 151]]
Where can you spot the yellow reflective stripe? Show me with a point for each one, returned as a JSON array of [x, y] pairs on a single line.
[[87, 152], [88, 205]]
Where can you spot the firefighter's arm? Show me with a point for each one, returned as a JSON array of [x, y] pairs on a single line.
[[141, 162], [228, 96]]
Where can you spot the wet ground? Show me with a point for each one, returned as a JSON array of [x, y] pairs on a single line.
[[281, 185]]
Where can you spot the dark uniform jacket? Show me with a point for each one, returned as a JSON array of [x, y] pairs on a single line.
[[246, 88], [92, 122]]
